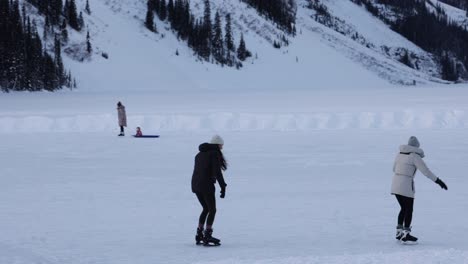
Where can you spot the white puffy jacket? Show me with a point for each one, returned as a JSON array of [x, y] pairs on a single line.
[[407, 162]]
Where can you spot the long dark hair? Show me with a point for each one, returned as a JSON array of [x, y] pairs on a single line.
[[224, 164]]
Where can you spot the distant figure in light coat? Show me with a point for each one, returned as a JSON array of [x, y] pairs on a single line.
[[407, 162], [122, 118]]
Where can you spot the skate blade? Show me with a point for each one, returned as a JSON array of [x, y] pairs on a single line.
[[409, 243], [212, 244]]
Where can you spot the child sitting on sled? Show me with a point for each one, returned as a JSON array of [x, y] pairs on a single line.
[[138, 132]]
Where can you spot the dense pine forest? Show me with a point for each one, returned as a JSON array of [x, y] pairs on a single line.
[[462, 4], [281, 11], [25, 65], [210, 40], [435, 32]]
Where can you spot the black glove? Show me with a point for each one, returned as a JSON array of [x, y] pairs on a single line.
[[441, 183], [223, 192]]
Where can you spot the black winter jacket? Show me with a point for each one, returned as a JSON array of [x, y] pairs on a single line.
[[207, 169]]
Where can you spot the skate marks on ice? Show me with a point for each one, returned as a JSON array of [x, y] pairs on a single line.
[[14, 255], [404, 257]]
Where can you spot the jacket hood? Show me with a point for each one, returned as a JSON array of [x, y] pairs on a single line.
[[411, 149], [205, 147]]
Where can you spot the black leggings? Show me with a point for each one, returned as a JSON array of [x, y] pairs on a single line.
[[208, 202], [406, 213], [121, 129]]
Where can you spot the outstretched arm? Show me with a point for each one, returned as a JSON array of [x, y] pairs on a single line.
[[421, 166]]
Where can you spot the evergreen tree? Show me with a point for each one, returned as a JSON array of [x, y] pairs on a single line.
[[45, 34], [69, 80], [242, 52], [229, 40], [228, 37], [170, 10], [89, 48], [149, 22], [56, 11], [217, 42], [157, 7], [163, 10], [188, 19], [449, 70], [87, 8], [207, 16], [66, 9], [177, 19], [64, 31], [60, 70], [206, 32], [81, 20], [73, 16], [23, 13]]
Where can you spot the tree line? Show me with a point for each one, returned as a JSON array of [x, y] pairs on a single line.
[[461, 4], [434, 32], [57, 13], [278, 11], [25, 65], [204, 36]]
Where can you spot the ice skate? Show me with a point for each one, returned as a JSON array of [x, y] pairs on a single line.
[[209, 240], [399, 232], [199, 236], [407, 238]]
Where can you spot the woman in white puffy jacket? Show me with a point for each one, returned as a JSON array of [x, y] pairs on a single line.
[[407, 162]]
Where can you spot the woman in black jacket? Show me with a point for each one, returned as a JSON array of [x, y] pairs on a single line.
[[209, 164]]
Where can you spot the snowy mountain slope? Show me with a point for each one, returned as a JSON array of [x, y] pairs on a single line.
[[158, 55], [455, 14], [315, 57], [382, 48]]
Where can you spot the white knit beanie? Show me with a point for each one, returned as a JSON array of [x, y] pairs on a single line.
[[216, 139]]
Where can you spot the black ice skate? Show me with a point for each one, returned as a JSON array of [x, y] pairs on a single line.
[[399, 232], [121, 134], [209, 240], [407, 238], [199, 236]]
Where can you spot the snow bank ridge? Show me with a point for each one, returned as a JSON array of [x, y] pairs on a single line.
[[230, 121]]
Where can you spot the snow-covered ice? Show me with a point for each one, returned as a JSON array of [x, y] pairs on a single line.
[[73, 192]]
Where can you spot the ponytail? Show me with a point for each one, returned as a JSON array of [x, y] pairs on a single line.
[[224, 164]]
